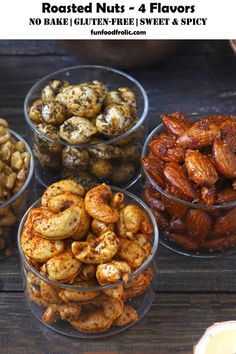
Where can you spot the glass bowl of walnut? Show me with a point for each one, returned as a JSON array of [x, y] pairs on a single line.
[[189, 165], [16, 171], [89, 124], [87, 259]]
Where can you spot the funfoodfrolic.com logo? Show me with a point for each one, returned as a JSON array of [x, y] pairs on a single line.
[[117, 32]]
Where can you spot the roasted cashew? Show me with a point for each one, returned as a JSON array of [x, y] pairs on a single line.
[[38, 248], [58, 226], [64, 201], [82, 296], [139, 284], [129, 222], [131, 252], [112, 272], [62, 268], [129, 315], [35, 295], [69, 312], [99, 228], [61, 187], [133, 220], [101, 250], [90, 236], [144, 241], [88, 271], [41, 292], [146, 225], [94, 322], [97, 204], [117, 292], [113, 308], [117, 201]]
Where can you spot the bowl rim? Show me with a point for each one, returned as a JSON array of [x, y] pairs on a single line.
[[143, 266], [156, 130], [30, 173], [48, 77]]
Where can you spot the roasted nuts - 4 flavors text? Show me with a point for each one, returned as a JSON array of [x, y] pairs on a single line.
[[196, 163], [87, 241]]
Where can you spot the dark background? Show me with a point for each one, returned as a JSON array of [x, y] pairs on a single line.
[[191, 293]]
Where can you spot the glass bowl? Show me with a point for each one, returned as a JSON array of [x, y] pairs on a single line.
[[49, 164], [32, 279], [16, 205], [214, 211]]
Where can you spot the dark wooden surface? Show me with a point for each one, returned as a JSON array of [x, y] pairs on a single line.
[[191, 294]]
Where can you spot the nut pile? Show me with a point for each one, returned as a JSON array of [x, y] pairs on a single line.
[[86, 113], [87, 240], [194, 162], [14, 169]]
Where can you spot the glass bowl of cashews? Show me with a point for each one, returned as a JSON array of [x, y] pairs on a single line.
[[16, 171], [189, 165], [89, 124], [87, 259]]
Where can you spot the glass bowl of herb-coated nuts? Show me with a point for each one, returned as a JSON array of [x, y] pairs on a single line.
[[89, 272], [89, 124], [16, 171]]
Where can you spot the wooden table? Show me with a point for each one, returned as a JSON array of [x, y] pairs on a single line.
[[191, 293]]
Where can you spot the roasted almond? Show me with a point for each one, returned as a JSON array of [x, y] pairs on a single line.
[[199, 135], [220, 243], [209, 195], [164, 147], [200, 168], [226, 196], [225, 224], [161, 220], [177, 225], [198, 224], [176, 176], [183, 241], [228, 134], [217, 119], [176, 123], [153, 202], [177, 210], [225, 159], [154, 168]]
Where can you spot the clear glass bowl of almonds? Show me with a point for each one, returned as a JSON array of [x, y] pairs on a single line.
[[87, 259], [16, 171], [189, 169], [89, 124]]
